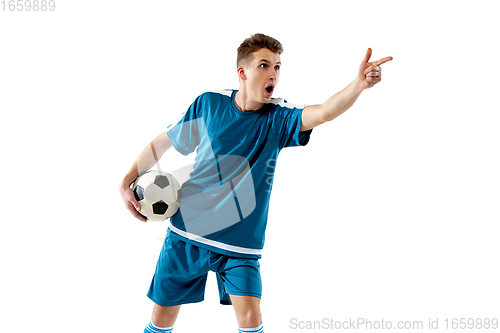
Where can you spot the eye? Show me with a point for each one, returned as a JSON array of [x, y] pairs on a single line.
[[263, 65], [277, 67]]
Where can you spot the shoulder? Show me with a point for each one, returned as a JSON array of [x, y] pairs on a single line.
[[281, 103], [284, 112], [210, 99], [217, 95]]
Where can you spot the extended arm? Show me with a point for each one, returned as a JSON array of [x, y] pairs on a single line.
[[369, 74], [145, 161]]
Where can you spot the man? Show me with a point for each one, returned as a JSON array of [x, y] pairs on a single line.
[[223, 211]]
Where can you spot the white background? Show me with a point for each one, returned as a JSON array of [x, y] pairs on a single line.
[[391, 212]]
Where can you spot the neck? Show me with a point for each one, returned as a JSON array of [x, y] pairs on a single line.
[[244, 103]]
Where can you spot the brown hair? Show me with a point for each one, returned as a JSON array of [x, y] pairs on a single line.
[[253, 44]]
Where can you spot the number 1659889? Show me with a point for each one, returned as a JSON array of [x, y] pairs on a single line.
[[28, 5]]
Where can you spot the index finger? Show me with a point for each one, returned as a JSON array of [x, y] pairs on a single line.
[[381, 61], [135, 213]]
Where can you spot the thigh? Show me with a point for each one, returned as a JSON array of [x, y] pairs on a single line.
[[181, 274], [241, 277]]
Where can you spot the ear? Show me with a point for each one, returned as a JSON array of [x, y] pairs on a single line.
[[241, 73]]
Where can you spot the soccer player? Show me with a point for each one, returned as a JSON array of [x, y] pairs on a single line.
[[237, 136]]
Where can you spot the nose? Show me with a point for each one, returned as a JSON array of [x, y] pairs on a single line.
[[274, 75]]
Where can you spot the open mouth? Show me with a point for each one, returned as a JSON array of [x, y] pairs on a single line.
[[269, 89]]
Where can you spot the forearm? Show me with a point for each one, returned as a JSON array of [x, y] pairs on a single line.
[[341, 101], [143, 163], [148, 157]]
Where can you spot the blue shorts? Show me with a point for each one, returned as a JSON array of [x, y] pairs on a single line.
[[182, 269]]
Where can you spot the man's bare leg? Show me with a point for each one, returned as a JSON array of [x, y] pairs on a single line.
[[247, 309], [165, 316]]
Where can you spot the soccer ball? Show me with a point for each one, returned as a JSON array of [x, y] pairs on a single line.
[[157, 193]]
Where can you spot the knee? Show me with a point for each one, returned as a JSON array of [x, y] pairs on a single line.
[[250, 318], [247, 309], [164, 316]]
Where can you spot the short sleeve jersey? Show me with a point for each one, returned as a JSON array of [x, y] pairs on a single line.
[[224, 204]]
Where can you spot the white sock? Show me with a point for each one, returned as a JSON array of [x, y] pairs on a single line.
[[155, 329], [259, 329]]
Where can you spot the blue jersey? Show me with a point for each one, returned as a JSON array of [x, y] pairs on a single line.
[[224, 204]]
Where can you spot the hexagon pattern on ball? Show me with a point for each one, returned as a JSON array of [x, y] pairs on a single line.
[[157, 193]]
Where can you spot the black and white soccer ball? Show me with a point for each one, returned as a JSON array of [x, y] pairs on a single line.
[[157, 192]]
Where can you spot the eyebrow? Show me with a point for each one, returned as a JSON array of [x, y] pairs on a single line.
[[265, 60]]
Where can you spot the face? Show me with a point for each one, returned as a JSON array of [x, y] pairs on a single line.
[[261, 76]]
